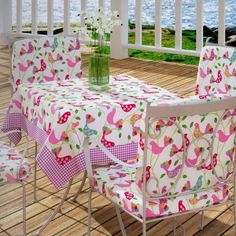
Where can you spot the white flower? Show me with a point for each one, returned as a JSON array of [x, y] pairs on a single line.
[[100, 23]]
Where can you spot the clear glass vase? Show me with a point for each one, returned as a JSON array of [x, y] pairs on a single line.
[[99, 71]]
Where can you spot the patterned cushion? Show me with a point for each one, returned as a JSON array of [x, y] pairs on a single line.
[[118, 184], [217, 71], [12, 167], [45, 59], [186, 155]]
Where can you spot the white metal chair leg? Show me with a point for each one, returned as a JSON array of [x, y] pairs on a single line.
[[120, 220], [174, 227], [202, 220], [35, 173], [89, 211], [144, 228], [73, 199], [234, 198], [24, 207], [57, 209]]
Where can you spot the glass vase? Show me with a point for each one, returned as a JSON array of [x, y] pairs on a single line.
[[99, 71]]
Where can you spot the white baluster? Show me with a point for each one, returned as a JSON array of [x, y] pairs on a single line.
[[101, 4], [83, 8], [119, 36], [138, 22], [199, 25], [178, 24], [34, 10], [221, 26], [5, 21], [50, 17], [158, 31], [66, 29], [19, 16]]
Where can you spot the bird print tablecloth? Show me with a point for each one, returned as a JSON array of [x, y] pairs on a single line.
[[59, 115]]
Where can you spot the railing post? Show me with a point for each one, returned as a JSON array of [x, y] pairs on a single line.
[[66, 28], [158, 31], [83, 8], [5, 20], [34, 16], [19, 16], [199, 26], [138, 22], [221, 26], [50, 17], [101, 4], [178, 24], [119, 37]]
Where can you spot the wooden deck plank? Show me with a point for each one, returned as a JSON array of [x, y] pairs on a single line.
[[73, 218]]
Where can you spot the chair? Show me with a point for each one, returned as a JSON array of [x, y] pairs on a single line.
[[14, 169], [217, 71], [188, 162], [43, 60]]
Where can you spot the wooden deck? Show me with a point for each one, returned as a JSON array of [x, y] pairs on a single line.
[[72, 221]]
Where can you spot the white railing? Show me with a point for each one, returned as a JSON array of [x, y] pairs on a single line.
[[119, 39]]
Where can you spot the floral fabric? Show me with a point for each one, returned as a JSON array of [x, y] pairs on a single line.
[[12, 167], [45, 59], [209, 140], [217, 71], [67, 111], [118, 184]]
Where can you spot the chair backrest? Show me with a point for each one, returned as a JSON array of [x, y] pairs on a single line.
[[189, 146], [45, 59], [217, 71]]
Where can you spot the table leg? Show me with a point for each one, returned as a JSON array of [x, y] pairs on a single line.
[[35, 172], [73, 199], [57, 209]]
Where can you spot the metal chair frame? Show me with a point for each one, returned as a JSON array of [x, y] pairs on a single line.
[[154, 113], [20, 181]]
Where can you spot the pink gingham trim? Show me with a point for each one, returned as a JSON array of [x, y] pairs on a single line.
[[18, 121], [60, 175]]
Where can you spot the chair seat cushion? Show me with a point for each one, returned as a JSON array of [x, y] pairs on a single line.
[[12, 167], [118, 184]]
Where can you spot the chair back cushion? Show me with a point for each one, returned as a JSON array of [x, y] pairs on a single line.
[[217, 71], [45, 59], [12, 166], [189, 153]]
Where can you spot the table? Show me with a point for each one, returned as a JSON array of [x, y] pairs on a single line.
[[59, 115]]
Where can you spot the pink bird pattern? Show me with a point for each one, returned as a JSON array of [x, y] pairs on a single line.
[[216, 199], [71, 63], [192, 162], [52, 76], [24, 51], [218, 79], [226, 89], [211, 57], [110, 119], [156, 149], [24, 68], [205, 74], [224, 137], [104, 141], [42, 68], [54, 140], [55, 53], [171, 173], [76, 47]]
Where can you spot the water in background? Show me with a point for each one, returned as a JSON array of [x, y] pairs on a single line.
[[148, 17]]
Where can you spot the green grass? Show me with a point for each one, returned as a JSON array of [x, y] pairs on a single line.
[[168, 40], [148, 36]]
